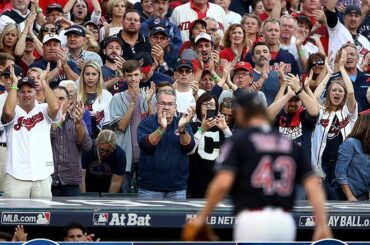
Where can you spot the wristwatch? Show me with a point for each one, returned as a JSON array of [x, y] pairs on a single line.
[[182, 132]]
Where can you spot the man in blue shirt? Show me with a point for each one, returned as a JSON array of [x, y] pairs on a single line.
[[60, 67], [164, 140]]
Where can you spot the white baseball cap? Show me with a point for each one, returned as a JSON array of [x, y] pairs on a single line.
[[204, 36], [51, 36]]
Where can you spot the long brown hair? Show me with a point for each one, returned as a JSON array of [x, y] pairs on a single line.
[[227, 36], [361, 131], [327, 103]]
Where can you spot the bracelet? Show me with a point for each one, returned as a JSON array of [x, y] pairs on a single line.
[[300, 53], [216, 77], [159, 131], [200, 130], [58, 124], [299, 91], [24, 33], [14, 87]]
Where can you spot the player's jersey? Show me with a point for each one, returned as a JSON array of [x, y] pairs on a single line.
[[267, 167]]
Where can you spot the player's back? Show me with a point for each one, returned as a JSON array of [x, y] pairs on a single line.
[[268, 166]]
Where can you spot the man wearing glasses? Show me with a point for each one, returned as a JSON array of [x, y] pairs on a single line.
[[164, 139]]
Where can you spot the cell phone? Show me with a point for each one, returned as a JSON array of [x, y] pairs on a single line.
[[210, 114], [58, 25]]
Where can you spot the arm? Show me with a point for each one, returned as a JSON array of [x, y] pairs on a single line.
[[62, 55], [80, 128], [125, 120], [321, 87], [115, 184], [52, 101], [149, 98], [351, 101], [110, 83], [36, 42], [185, 138], [96, 5], [21, 44], [217, 190], [274, 109], [11, 99], [276, 11], [316, 196], [69, 5]]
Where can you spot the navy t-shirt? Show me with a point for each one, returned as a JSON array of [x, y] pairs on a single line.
[[109, 74], [99, 175]]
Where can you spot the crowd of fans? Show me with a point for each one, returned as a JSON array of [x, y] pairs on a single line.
[[136, 96]]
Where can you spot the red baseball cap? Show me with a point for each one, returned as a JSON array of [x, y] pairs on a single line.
[[243, 66]]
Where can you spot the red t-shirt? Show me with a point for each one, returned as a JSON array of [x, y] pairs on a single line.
[[263, 16], [228, 54]]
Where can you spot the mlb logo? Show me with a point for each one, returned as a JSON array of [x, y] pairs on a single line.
[[189, 217], [100, 217], [307, 221], [43, 218]]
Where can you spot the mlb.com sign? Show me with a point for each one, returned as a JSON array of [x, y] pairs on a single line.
[[38, 218]]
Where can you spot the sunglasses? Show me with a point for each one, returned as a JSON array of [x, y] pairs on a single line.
[[49, 30], [319, 63]]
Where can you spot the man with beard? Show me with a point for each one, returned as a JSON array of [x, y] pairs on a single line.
[[133, 41], [341, 34], [207, 57], [111, 70], [271, 34], [267, 80]]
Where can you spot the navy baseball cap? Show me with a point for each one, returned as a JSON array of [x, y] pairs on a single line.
[[18, 71], [53, 6], [250, 102], [113, 39], [26, 80], [159, 29], [91, 23], [184, 63], [352, 9], [76, 29], [145, 60]]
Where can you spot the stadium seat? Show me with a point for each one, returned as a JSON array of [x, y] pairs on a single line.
[[121, 195]]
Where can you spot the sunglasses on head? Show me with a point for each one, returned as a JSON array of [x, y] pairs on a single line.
[[319, 63]]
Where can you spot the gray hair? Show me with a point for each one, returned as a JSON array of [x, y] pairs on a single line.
[[167, 91], [288, 17], [65, 84]]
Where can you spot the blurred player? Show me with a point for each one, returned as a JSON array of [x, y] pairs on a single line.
[[262, 168]]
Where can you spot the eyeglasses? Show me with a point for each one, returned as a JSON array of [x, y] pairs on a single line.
[[319, 63], [209, 105], [49, 30], [212, 30], [170, 104], [182, 71]]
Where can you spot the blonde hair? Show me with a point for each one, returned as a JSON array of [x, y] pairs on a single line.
[[112, 3], [65, 83], [35, 69], [91, 44], [82, 95], [8, 28], [106, 136], [327, 103]]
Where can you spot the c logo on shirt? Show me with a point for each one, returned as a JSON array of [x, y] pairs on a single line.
[[29, 123]]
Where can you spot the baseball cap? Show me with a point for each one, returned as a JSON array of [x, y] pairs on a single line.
[[159, 29], [352, 9], [192, 24], [26, 80], [76, 29], [91, 23], [49, 37], [145, 61], [203, 36], [18, 71], [113, 39], [243, 66], [184, 63], [53, 6]]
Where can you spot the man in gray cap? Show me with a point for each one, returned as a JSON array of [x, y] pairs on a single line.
[[340, 34]]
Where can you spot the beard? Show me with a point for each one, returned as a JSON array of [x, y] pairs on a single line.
[[110, 58]]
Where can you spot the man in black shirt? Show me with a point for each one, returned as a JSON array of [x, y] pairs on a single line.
[[261, 167]]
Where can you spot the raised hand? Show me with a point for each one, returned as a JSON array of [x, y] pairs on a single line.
[[221, 122], [118, 60], [150, 92], [162, 119], [19, 234], [327, 66], [78, 113], [293, 82], [44, 73], [343, 58], [185, 118], [13, 77], [307, 81]]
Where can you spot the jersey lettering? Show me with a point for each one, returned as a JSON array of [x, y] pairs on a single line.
[[215, 136], [263, 175], [28, 123]]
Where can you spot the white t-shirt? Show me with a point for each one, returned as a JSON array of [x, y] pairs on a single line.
[[30, 154], [233, 18], [184, 100]]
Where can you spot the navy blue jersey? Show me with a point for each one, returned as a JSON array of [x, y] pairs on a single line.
[[267, 167]]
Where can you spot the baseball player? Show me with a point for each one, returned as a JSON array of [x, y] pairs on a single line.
[[261, 167]]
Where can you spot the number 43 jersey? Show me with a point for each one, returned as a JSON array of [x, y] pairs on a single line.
[[267, 167]]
